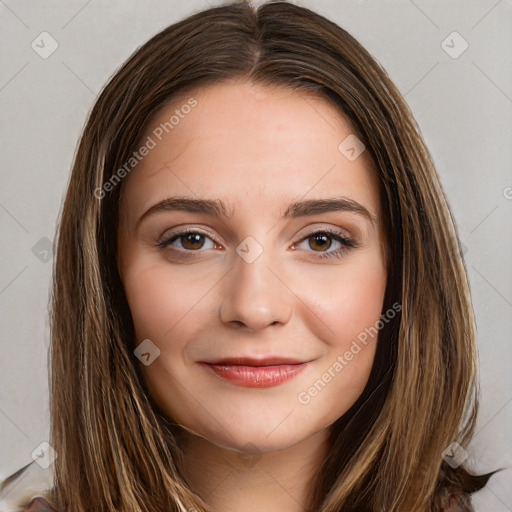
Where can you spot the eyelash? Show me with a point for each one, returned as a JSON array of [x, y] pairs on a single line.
[[346, 243]]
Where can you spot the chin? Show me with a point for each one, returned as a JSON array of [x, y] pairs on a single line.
[[255, 439], [259, 430]]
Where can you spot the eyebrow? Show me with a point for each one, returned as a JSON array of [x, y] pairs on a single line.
[[217, 208]]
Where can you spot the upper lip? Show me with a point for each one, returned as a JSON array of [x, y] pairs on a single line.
[[255, 361]]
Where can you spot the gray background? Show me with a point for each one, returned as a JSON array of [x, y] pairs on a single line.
[[463, 106]]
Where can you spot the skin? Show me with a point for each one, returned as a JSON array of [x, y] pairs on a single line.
[[258, 149]]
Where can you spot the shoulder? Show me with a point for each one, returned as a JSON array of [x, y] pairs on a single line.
[[38, 504], [459, 503], [27, 490]]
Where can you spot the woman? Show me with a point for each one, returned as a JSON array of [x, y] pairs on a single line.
[[206, 354]]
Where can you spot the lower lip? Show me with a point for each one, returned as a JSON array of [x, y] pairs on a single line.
[[257, 376]]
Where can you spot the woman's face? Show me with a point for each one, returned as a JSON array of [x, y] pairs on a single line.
[[250, 250]]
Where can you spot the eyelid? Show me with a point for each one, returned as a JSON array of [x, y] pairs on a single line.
[[317, 227]]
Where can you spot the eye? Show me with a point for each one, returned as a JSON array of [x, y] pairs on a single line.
[[323, 240], [190, 240]]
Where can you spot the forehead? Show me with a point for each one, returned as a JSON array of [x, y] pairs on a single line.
[[245, 143]]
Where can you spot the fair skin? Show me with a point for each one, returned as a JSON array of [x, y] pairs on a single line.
[[199, 300]]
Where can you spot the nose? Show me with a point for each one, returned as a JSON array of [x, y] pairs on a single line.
[[255, 296]]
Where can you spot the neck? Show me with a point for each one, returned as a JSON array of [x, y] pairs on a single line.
[[254, 482]]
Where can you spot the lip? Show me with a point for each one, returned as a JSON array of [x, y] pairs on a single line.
[[256, 372]]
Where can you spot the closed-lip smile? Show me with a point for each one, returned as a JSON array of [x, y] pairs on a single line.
[[256, 372]]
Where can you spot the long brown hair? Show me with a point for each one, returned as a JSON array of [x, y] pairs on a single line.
[[116, 450]]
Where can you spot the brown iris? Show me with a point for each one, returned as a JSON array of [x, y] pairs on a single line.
[[321, 239], [192, 240]]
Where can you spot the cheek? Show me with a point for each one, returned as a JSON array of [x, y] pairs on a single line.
[[350, 303], [346, 302], [162, 305], [359, 302]]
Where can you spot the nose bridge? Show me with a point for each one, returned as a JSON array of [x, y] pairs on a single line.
[[254, 295]]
